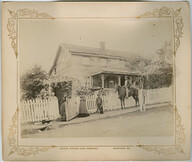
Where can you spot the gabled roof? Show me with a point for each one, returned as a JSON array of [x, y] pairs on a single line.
[[89, 52], [95, 52]]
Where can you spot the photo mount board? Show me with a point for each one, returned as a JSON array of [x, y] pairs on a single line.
[[17, 148]]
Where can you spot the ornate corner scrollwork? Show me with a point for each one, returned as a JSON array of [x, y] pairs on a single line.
[[180, 140], [156, 13], [13, 21], [177, 20], [15, 147]]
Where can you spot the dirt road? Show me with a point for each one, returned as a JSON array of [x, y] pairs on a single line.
[[154, 122]]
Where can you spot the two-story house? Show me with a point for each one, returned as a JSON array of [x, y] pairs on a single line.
[[93, 67]]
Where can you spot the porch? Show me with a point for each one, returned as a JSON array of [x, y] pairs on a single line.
[[108, 79]]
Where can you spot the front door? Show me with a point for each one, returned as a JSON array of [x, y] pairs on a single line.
[[122, 80]]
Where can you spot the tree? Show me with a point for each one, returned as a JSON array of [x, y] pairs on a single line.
[[159, 68], [162, 67], [32, 82], [138, 64], [165, 54]]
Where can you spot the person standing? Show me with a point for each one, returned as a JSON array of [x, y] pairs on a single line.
[[99, 104], [126, 86], [53, 104], [62, 108], [83, 112], [141, 95]]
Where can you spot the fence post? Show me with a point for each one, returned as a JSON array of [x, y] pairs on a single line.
[[38, 110]]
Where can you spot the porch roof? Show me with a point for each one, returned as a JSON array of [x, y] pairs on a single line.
[[115, 72]]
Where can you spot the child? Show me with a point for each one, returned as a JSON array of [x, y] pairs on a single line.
[[99, 104]]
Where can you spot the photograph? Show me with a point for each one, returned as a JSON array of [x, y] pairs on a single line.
[[96, 81], [96, 78]]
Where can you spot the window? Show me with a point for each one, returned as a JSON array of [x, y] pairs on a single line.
[[85, 60], [116, 63], [103, 62], [98, 61]]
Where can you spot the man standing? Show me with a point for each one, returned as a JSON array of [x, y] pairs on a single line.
[[141, 95], [126, 86], [99, 104]]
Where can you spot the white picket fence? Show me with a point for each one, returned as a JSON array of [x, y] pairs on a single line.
[[38, 110], [72, 107], [149, 97], [156, 96], [110, 102], [48, 109]]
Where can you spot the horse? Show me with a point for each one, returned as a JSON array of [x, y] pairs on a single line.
[[131, 92]]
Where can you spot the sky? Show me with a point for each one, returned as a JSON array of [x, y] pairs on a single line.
[[39, 39]]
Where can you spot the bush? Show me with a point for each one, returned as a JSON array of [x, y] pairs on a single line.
[[163, 78], [32, 83]]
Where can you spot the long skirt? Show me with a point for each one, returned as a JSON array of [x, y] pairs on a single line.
[[83, 112], [62, 111]]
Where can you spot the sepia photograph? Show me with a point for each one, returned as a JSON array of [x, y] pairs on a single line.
[[96, 78], [96, 81]]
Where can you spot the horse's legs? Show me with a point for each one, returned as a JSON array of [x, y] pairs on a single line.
[[121, 104], [124, 103], [135, 101]]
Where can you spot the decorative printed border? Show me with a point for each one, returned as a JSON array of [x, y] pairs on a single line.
[[12, 137], [12, 27], [177, 21], [180, 140]]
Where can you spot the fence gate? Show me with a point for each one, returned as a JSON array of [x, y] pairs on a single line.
[[72, 107]]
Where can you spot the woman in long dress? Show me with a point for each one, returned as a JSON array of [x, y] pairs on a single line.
[[83, 112], [62, 108]]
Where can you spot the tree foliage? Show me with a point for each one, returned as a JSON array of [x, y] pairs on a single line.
[[165, 54], [32, 82], [158, 69], [160, 79]]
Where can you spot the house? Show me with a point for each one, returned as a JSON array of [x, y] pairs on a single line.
[[93, 67]]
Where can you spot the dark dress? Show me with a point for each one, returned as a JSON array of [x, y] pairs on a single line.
[[99, 105], [62, 109], [83, 112]]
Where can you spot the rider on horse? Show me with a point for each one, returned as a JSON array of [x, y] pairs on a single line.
[[127, 85]]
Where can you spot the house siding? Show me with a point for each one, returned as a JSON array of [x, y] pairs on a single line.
[[82, 66], [63, 67]]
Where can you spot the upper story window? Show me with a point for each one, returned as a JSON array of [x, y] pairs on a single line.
[[85, 60], [102, 62], [98, 61], [116, 63]]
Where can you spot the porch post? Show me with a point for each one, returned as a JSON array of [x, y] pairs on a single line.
[[102, 79], [92, 81], [119, 80]]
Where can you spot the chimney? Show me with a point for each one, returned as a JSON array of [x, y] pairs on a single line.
[[102, 46]]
